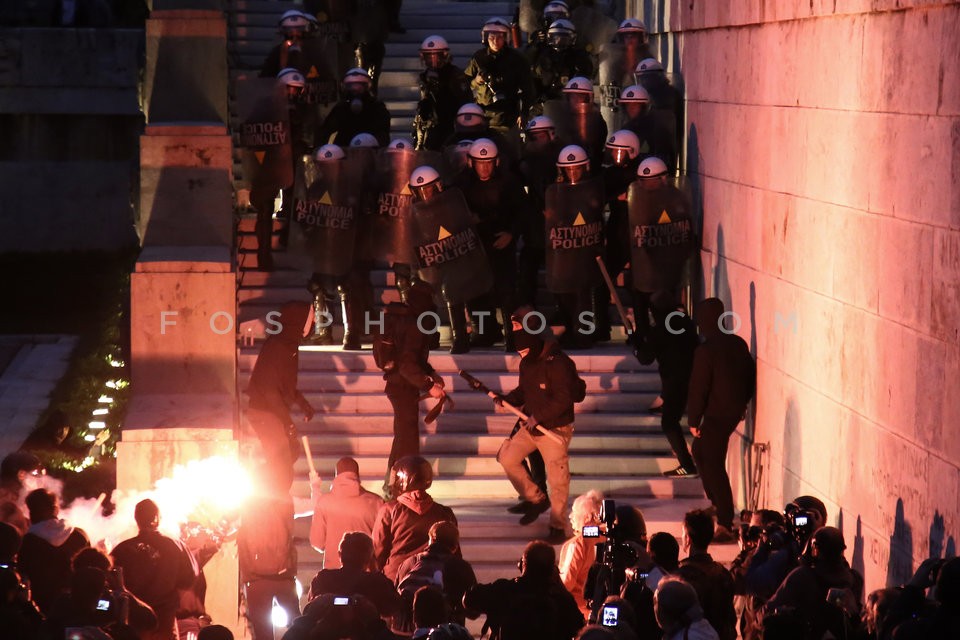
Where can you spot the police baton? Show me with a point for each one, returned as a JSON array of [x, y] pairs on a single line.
[[476, 385], [616, 299]]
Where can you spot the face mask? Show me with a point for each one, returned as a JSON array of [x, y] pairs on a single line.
[[523, 340]]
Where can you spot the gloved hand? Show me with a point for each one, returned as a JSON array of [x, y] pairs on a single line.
[[531, 423], [308, 412]]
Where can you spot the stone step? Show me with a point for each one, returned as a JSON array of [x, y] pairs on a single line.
[[478, 465], [350, 401], [607, 358], [597, 383], [335, 445], [478, 424]]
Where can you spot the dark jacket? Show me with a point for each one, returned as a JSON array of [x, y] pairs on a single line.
[[548, 384], [552, 68], [806, 587], [442, 92], [374, 586], [506, 89], [413, 368], [500, 203], [45, 556], [403, 527], [714, 587], [524, 608], [724, 375], [458, 576], [155, 567], [273, 383], [373, 118]]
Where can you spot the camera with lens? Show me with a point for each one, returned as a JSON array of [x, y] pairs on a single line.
[[799, 524], [614, 558]]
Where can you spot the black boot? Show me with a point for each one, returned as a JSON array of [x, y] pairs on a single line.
[[601, 311], [459, 340], [321, 315], [352, 314], [264, 232]]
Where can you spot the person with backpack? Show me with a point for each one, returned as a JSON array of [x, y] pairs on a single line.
[[440, 565], [155, 568], [549, 386], [402, 350]]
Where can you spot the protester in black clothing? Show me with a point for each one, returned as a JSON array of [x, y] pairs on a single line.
[[273, 389], [548, 388], [672, 341], [155, 567], [443, 90], [47, 548], [19, 475], [500, 78], [410, 375], [358, 575], [722, 383], [501, 206], [712, 582], [358, 112], [10, 540], [534, 605]]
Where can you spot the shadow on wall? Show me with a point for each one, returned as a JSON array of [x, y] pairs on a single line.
[[792, 450]]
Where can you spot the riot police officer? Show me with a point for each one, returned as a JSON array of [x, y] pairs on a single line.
[[471, 124], [358, 112], [573, 239], [666, 111], [369, 32], [552, 11], [449, 253], [294, 27], [618, 60], [584, 126], [554, 62], [538, 170], [501, 205], [443, 90], [500, 78]]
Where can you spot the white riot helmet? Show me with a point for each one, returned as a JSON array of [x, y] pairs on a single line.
[[292, 78], [623, 145], [470, 116], [434, 51], [634, 94], [425, 182], [632, 26], [561, 34], [652, 167], [648, 65], [573, 163], [494, 25], [357, 76], [555, 10], [541, 123], [401, 144], [484, 149], [365, 140], [578, 84], [294, 20], [329, 153]]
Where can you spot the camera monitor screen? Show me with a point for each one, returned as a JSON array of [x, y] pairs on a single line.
[[103, 605], [591, 531], [609, 616], [341, 601], [800, 521]]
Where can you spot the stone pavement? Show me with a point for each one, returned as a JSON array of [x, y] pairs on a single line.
[[30, 367]]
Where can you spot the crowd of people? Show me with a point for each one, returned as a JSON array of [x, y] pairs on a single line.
[[395, 569]]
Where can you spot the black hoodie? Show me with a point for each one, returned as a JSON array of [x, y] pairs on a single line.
[[273, 383], [724, 375]]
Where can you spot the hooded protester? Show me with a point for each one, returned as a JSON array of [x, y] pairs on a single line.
[[548, 388], [273, 389], [47, 548], [348, 507], [722, 383], [403, 524]]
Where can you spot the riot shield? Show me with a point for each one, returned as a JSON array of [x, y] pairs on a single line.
[[594, 28], [573, 235], [615, 73], [325, 215], [531, 14], [264, 133], [333, 32], [448, 249], [319, 67], [661, 235], [388, 225]]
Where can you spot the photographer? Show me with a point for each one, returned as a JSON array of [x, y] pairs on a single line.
[[579, 552], [713, 583], [621, 561], [779, 547], [665, 555], [332, 617], [765, 530]]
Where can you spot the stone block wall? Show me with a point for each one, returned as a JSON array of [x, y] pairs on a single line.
[[823, 140]]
